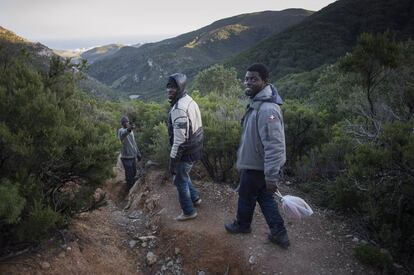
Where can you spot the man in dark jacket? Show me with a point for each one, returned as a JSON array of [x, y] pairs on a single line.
[[260, 157], [186, 138], [129, 152]]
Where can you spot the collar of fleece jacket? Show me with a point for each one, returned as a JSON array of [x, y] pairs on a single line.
[[269, 94]]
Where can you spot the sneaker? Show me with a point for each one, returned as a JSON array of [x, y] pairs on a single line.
[[234, 228], [280, 238], [197, 202], [183, 217]]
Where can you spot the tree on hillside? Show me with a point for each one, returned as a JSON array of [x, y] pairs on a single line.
[[352, 143], [219, 93], [372, 61], [380, 167], [218, 79], [304, 130], [53, 153], [221, 124]]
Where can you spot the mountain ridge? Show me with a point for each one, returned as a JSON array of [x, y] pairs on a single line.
[[144, 70], [328, 34], [12, 45]]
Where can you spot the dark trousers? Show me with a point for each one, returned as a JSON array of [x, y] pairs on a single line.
[[253, 188], [130, 167]]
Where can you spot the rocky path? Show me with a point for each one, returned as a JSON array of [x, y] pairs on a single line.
[[139, 235], [319, 245]]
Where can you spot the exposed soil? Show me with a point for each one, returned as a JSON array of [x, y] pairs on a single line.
[[120, 237], [93, 244], [318, 245]]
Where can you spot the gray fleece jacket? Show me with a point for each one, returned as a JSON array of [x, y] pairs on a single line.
[[129, 146], [262, 145]]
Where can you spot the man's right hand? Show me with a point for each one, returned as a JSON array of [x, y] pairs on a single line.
[[130, 127], [172, 166], [271, 186]]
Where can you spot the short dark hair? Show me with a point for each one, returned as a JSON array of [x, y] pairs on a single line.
[[124, 119], [261, 69]]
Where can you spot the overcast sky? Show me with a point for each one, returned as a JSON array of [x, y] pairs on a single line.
[[57, 23]]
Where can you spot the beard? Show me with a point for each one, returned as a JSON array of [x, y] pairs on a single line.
[[250, 92], [254, 90], [171, 98]]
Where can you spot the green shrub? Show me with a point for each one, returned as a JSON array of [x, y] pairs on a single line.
[[318, 191], [50, 135], [362, 150], [326, 161], [161, 144], [145, 116], [344, 195], [39, 223], [303, 129], [218, 79], [221, 124], [11, 204], [299, 86], [373, 256]]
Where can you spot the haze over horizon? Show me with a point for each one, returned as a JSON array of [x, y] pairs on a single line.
[[83, 24], [86, 43]]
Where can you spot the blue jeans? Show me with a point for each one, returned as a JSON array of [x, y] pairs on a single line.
[[253, 188], [187, 193], [130, 166]]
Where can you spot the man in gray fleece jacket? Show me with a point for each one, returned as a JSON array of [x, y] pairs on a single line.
[[261, 155], [129, 152]]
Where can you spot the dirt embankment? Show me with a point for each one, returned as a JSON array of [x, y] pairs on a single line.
[[136, 234]]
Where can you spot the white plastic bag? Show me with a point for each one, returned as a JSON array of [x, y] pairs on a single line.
[[294, 207]]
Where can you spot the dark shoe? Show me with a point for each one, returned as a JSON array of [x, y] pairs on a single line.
[[234, 228], [197, 202], [280, 238]]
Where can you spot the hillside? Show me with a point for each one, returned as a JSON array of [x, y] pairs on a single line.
[[143, 70], [12, 45], [328, 34], [74, 54], [101, 52], [11, 37], [91, 55]]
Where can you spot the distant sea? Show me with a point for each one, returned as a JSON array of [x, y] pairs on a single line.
[[85, 43]]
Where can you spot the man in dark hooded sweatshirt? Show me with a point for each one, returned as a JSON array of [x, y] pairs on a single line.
[[260, 157], [186, 138]]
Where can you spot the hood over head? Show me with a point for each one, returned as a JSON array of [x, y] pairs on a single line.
[[179, 81]]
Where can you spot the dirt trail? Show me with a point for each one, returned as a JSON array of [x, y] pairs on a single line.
[[95, 243], [318, 245], [109, 241]]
